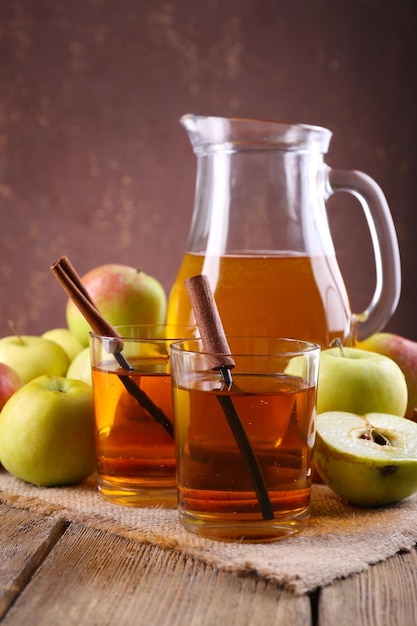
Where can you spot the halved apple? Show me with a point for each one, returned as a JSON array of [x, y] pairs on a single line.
[[369, 460]]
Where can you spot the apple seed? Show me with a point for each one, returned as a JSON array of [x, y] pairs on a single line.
[[381, 439], [371, 434]]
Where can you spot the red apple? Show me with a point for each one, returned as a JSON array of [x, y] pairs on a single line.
[[124, 295], [404, 352], [10, 382]]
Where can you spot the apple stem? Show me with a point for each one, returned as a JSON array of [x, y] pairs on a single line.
[[337, 343], [14, 330]]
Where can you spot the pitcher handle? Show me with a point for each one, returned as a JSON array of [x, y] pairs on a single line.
[[385, 247]]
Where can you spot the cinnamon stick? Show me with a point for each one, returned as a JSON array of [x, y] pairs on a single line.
[[71, 282], [208, 321], [214, 340]]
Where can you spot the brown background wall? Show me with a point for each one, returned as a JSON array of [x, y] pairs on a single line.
[[94, 164]]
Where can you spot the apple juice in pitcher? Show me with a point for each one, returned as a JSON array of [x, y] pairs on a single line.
[[260, 233], [288, 296]]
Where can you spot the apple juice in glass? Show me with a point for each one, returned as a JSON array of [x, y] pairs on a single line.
[[273, 393], [135, 453]]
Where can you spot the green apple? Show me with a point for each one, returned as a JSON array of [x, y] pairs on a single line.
[[10, 382], [66, 339], [47, 432], [360, 382], [368, 460], [404, 352], [32, 356], [80, 367], [123, 294]]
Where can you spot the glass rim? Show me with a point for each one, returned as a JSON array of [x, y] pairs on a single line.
[[216, 134], [306, 347], [245, 120]]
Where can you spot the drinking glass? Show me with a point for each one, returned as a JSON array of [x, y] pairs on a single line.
[[244, 451], [133, 414]]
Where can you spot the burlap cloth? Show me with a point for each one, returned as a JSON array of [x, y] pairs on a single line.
[[340, 540]]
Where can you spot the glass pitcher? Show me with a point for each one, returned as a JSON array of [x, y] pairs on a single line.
[[260, 233]]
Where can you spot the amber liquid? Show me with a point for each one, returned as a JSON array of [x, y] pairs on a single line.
[[217, 496], [283, 296], [135, 454]]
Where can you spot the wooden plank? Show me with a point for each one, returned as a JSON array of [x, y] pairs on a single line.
[[91, 577], [25, 540], [386, 594]]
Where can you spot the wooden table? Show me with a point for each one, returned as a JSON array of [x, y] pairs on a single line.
[[63, 573]]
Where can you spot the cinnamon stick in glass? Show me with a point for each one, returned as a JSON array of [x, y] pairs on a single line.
[[215, 342], [67, 276]]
